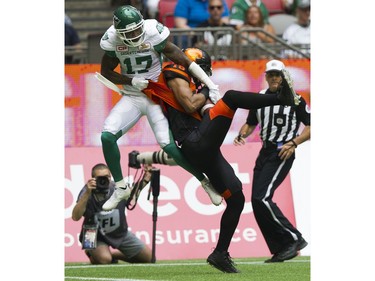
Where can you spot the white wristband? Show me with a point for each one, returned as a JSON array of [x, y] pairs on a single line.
[[199, 73], [206, 106]]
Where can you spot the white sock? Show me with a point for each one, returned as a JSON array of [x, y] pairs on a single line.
[[121, 184]]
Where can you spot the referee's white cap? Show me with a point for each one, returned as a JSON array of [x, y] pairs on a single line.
[[274, 65]]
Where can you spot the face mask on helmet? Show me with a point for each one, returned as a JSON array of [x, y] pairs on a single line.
[[201, 57], [129, 25], [132, 38]]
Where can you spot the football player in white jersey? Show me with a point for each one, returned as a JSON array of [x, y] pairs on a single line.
[[137, 45]]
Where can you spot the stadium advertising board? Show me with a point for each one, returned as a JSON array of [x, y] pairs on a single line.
[[187, 224]]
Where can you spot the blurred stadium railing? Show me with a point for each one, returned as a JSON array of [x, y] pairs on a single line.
[[236, 50]]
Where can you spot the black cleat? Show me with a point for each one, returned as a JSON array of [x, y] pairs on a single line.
[[287, 95], [222, 261]]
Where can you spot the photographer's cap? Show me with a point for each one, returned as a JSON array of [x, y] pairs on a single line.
[[274, 65], [303, 4]]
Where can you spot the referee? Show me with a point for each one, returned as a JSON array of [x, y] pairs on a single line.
[[279, 131]]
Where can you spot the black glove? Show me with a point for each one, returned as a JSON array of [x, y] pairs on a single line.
[[205, 91]]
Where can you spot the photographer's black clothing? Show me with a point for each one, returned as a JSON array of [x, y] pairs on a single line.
[[112, 224]]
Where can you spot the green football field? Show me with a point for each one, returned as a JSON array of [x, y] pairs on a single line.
[[297, 269]]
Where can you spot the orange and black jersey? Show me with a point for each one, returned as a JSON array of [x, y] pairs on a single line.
[[161, 94], [181, 123], [172, 71]]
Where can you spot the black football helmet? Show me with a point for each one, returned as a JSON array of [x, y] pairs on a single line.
[[200, 57]]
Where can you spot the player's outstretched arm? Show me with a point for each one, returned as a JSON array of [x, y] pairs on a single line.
[[172, 52]]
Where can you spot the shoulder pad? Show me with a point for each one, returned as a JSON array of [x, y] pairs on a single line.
[[155, 32], [108, 41], [172, 71]]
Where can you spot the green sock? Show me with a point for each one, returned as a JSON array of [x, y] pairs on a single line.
[[173, 151], [111, 154]]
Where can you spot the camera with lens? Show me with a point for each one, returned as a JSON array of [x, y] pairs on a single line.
[[102, 184], [133, 161]]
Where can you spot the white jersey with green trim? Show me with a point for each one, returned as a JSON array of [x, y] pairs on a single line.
[[142, 61]]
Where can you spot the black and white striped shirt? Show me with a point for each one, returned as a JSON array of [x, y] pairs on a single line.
[[279, 123]]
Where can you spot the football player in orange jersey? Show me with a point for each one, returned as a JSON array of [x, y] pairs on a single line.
[[199, 128]]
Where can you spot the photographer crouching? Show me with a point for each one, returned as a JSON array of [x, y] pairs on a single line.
[[104, 229]]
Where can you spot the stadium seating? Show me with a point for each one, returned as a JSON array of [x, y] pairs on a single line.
[[274, 6], [229, 3], [166, 12], [94, 51], [280, 22]]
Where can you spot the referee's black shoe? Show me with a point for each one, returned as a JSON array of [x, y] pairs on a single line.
[[222, 261], [289, 252], [274, 258], [301, 244]]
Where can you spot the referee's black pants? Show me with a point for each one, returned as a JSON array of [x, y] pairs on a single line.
[[269, 172]]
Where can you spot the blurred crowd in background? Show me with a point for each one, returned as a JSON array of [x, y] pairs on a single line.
[[227, 29]]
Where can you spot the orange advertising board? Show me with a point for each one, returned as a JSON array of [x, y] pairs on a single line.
[[88, 102]]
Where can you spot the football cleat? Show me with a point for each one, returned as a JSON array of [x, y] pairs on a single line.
[[215, 197], [222, 261], [117, 196], [288, 79]]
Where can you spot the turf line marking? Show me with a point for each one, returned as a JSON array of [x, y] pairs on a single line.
[[105, 279], [169, 264]]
